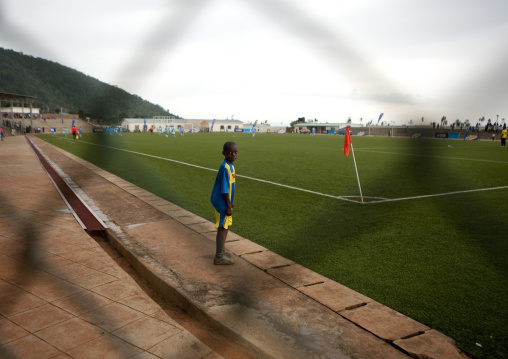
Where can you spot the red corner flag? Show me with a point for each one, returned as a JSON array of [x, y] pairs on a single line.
[[347, 142]]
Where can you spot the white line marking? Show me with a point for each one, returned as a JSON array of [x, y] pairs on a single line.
[[440, 194], [343, 198], [415, 154]]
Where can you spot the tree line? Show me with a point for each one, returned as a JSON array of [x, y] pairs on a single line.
[[58, 87]]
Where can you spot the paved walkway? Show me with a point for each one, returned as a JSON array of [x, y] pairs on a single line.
[[61, 295], [272, 306]]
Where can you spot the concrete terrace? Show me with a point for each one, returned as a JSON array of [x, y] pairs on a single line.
[[61, 295]]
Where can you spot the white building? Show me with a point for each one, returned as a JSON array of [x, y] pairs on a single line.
[[319, 127], [137, 124], [223, 125], [265, 128]]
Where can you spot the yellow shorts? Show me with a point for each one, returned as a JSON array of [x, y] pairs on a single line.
[[221, 220]]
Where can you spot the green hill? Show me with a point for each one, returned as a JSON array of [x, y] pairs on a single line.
[[56, 86]]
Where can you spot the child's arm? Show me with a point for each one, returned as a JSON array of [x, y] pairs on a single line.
[[229, 210]]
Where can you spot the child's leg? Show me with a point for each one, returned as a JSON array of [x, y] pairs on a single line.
[[220, 240], [220, 257]]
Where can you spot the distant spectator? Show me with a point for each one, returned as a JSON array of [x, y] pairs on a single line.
[[74, 133]]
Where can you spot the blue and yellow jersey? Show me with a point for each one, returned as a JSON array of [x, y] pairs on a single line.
[[224, 183]]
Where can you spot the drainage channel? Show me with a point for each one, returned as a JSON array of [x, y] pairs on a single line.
[[84, 215]]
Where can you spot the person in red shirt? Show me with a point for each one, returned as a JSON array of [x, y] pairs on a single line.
[[74, 133], [1, 134]]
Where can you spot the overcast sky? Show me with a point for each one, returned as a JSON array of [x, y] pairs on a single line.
[[278, 60]]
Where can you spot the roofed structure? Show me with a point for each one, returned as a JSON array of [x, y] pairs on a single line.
[[18, 99]]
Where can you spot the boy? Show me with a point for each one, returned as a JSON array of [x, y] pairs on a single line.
[[223, 194]]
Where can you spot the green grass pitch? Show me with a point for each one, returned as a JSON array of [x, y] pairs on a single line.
[[430, 241]]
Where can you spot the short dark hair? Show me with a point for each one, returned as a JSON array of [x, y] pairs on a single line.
[[227, 145]]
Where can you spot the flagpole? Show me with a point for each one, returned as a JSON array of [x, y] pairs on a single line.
[[356, 170]]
